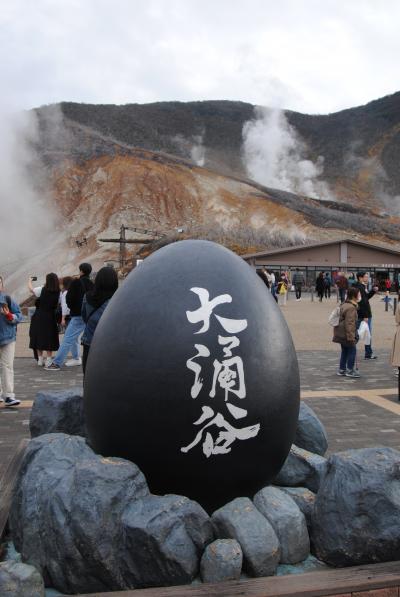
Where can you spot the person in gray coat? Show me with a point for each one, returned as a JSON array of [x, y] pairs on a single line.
[[298, 282]]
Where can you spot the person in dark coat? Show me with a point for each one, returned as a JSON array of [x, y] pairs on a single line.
[[76, 325], [345, 333], [327, 285], [43, 331], [298, 282], [364, 309], [94, 303], [320, 286]]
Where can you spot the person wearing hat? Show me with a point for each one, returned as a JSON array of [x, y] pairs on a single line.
[[74, 299], [10, 316]]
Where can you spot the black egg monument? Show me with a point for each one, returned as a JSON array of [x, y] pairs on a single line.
[[193, 376]]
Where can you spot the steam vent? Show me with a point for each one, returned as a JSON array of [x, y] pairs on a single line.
[[197, 384]]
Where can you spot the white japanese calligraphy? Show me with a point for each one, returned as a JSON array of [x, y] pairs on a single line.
[[202, 351], [224, 439], [228, 375], [203, 313]]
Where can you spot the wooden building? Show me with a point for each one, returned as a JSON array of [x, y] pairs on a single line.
[[344, 254]]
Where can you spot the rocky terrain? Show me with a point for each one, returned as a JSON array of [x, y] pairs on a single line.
[[179, 169]]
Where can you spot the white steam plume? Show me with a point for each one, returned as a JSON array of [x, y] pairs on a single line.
[[198, 151], [27, 224], [274, 156], [374, 177], [193, 147]]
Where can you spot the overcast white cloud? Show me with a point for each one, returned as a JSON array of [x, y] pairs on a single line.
[[307, 55]]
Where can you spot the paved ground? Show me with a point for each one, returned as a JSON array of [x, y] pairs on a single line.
[[356, 413]]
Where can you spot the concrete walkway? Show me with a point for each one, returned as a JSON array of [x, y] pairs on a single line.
[[357, 413]]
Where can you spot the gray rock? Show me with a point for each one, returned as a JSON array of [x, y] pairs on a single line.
[[356, 517], [311, 564], [288, 522], [77, 497], [240, 520], [58, 411], [164, 538], [304, 498], [221, 560], [310, 432], [302, 469], [18, 579]]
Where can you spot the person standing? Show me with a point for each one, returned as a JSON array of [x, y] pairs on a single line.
[[43, 331], [345, 333], [74, 300], [94, 303], [364, 310], [327, 285], [395, 354], [298, 283], [320, 286], [262, 273], [273, 284], [282, 289], [10, 316], [342, 285]]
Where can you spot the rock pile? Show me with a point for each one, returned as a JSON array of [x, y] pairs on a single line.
[[20, 579], [106, 531]]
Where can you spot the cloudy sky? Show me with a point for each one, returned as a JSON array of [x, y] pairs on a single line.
[[308, 55]]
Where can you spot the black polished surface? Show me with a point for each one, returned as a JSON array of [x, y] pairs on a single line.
[[194, 311]]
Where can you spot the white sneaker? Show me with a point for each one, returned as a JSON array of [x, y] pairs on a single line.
[[1, 399], [40, 361], [48, 362], [73, 362]]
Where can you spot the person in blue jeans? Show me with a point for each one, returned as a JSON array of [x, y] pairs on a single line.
[[10, 316], [74, 299], [345, 333]]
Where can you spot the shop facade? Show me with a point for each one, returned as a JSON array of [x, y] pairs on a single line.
[[342, 255]]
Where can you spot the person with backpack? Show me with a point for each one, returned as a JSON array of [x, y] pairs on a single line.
[[94, 303], [327, 285], [345, 333], [10, 316], [74, 299]]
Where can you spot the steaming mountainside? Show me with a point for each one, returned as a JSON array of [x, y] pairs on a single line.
[[171, 166], [147, 148], [360, 147]]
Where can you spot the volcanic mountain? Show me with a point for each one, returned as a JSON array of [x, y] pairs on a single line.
[[179, 169]]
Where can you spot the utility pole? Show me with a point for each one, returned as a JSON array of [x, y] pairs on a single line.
[[123, 241], [122, 246]]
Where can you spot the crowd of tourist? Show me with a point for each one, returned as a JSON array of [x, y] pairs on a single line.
[[72, 306], [354, 314]]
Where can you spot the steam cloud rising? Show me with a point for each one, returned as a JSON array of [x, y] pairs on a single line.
[[274, 156], [27, 225], [192, 147]]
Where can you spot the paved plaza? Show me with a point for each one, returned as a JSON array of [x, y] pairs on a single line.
[[357, 413]]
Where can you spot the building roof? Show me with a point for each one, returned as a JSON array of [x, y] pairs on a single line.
[[349, 240]]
